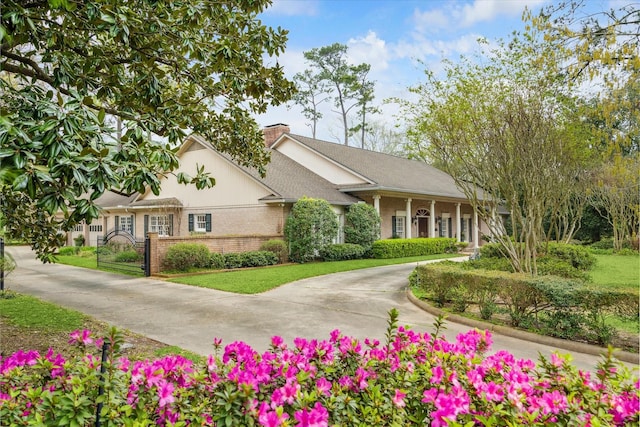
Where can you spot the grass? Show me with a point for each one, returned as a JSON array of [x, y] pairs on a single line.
[[28, 323], [79, 261], [255, 281], [29, 312], [621, 272]]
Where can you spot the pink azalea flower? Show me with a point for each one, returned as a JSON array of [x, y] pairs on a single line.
[[324, 386], [398, 399], [165, 392], [317, 417]]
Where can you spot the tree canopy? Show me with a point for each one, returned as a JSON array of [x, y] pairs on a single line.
[[510, 135], [69, 70], [332, 75]]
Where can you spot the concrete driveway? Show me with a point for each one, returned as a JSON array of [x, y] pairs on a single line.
[[355, 302]]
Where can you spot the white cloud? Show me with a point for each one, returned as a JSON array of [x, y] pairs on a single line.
[[431, 20], [369, 49], [294, 7], [490, 10]]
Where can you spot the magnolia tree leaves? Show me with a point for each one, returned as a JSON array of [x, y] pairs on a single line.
[[69, 70]]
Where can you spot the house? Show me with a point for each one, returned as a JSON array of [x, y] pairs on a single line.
[[243, 209]]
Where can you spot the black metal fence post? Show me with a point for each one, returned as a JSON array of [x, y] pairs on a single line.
[[103, 369], [147, 256], [1, 264]]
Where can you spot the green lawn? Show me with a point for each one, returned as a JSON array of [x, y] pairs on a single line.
[[263, 279], [617, 271], [79, 261], [30, 312]]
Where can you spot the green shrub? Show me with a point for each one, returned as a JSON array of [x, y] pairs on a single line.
[[128, 256], [362, 225], [185, 256], [79, 240], [310, 227], [216, 261], [278, 247], [250, 259], [492, 250], [68, 250], [578, 256], [400, 248], [232, 260], [605, 243], [489, 263], [342, 251], [556, 306], [258, 258], [549, 265]]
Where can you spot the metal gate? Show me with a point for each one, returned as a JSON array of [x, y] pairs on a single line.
[[119, 250]]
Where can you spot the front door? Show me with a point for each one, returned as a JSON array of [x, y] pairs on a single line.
[[423, 226]]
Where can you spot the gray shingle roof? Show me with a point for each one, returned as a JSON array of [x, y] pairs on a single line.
[[387, 172], [291, 181], [110, 200]]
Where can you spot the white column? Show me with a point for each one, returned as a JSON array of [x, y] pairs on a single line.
[[408, 220], [457, 219], [432, 219], [376, 206], [476, 234], [376, 203]]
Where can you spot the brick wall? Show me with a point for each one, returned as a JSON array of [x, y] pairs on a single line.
[[220, 244]]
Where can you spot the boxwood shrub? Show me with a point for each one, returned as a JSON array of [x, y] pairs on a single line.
[[250, 259], [342, 251], [278, 247], [185, 256], [130, 255], [400, 248], [556, 306]]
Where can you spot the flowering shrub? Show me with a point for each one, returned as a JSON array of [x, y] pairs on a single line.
[[410, 379]]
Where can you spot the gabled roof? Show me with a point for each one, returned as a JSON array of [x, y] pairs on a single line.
[[385, 171], [113, 200], [290, 181]]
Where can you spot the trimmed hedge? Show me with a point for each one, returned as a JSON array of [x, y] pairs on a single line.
[[278, 247], [552, 305], [342, 251], [250, 259], [185, 256], [401, 248]]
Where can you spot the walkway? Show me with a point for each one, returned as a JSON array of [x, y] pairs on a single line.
[[355, 302]]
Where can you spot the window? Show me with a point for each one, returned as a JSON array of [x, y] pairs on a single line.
[[160, 224], [200, 223], [400, 220], [95, 228], [78, 227], [444, 227], [125, 223]]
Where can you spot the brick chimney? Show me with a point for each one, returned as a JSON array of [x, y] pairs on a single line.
[[273, 132]]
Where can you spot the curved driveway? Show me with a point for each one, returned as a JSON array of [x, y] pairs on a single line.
[[355, 302]]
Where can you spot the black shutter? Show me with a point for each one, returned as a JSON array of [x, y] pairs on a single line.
[[470, 230], [191, 227], [117, 226], [146, 225], [208, 220], [393, 226], [439, 227], [450, 228], [133, 225], [170, 224]]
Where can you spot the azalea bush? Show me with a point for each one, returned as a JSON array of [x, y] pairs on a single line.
[[410, 379]]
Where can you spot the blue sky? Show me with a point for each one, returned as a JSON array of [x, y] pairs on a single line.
[[392, 36]]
